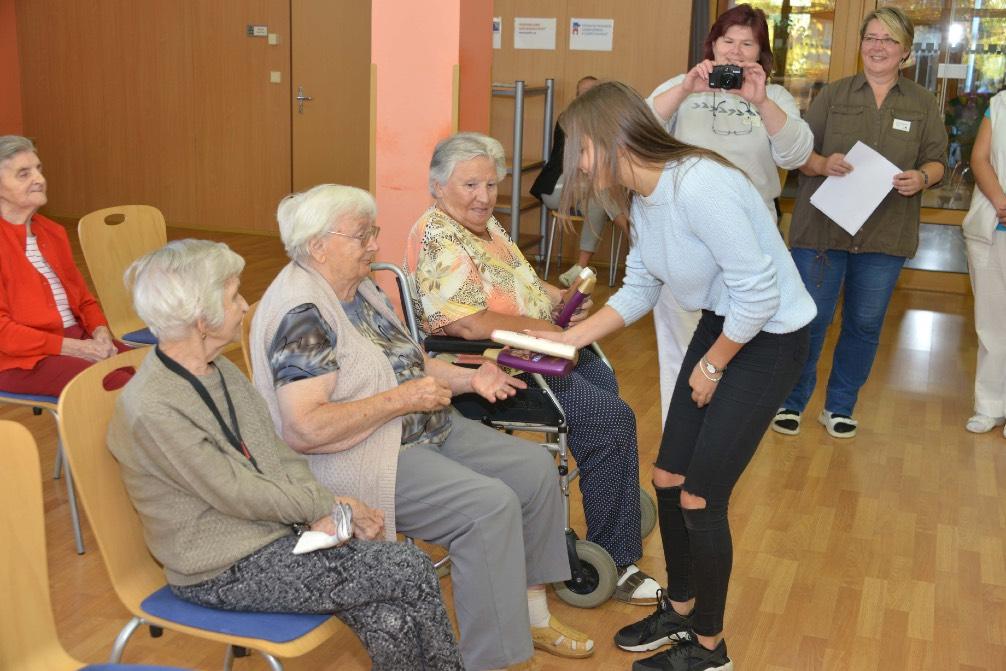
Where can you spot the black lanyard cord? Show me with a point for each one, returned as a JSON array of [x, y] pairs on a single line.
[[233, 435]]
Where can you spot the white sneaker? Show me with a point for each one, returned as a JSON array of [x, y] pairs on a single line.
[[983, 423], [567, 277]]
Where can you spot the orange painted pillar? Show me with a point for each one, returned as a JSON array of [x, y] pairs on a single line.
[[416, 48], [11, 122]]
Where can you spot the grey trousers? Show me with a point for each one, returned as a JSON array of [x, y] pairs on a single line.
[[494, 501]]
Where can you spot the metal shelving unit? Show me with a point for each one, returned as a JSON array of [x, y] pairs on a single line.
[[519, 90]]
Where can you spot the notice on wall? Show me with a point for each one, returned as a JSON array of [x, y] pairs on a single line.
[[497, 32], [591, 34], [534, 33]]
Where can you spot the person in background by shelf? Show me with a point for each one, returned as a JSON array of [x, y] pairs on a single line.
[[547, 188]]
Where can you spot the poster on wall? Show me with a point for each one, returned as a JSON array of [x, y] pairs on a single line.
[[497, 32], [591, 34], [534, 33]]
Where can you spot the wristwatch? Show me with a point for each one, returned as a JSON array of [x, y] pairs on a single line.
[[710, 368]]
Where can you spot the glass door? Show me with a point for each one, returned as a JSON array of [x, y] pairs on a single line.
[[959, 56]]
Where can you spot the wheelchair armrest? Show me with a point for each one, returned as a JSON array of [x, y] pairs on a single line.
[[453, 345]]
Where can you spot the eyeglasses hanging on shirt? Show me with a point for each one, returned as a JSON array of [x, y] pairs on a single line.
[[734, 120]]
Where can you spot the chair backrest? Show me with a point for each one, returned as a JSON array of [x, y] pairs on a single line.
[[85, 408], [111, 239], [246, 339], [28, 640]]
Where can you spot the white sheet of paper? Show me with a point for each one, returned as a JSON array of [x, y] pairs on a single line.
[[497, 32], [851, 199]]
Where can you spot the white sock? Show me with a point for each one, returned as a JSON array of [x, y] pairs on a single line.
[[537, 607]]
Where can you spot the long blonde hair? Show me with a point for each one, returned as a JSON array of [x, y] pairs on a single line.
[[618, 122]]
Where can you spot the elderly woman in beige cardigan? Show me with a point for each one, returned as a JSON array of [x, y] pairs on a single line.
[[348, 387], [222, 499]]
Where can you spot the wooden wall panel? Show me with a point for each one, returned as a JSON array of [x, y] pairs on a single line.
[[650, 46], [164, 102]]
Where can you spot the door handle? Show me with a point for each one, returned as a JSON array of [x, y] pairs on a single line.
[[301, 99]]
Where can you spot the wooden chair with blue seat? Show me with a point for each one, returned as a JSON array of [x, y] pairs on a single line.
[[111, 239], [49, 404], [28, 637], [85, 408]]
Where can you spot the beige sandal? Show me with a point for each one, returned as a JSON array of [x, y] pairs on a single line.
[[562, 640]]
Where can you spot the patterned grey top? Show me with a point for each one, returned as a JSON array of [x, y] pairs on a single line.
[[305, 346]]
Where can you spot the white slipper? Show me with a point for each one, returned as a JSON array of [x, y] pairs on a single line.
[[983, 423], [838, 426]]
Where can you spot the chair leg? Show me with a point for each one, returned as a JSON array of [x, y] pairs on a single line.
[[71, 497], [119, 646], [274, 663], [548, 246], [616, 252], [229, 658], [59, 460]]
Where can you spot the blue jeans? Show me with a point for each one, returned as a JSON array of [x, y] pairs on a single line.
[[869, 281]]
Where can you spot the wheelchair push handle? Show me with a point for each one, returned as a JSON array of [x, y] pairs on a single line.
[[582, 287]]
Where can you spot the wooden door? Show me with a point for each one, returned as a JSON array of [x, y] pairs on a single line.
[[330, 64]]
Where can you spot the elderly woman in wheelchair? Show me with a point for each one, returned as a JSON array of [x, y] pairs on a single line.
[[347, 386], [223, 501], [469, 279]]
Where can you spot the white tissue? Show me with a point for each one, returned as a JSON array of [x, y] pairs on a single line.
[[315, 540]]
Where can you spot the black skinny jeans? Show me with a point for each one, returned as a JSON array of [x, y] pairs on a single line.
[[711, 446]]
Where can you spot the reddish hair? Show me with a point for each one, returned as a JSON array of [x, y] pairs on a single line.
[[749, 17]]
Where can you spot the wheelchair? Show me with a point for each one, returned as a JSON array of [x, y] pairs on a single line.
[[534, 410]]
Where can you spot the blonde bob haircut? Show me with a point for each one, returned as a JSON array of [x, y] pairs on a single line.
[[898, 25], [181, 283], [306, 216], [619, 124]]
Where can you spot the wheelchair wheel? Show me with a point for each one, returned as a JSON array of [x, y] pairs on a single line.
[[597, 580], [647, 512]]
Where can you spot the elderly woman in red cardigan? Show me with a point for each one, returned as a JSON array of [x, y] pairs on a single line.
[[51, 327]]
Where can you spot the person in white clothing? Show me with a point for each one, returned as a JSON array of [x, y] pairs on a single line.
[[756, 127], [985, 234]]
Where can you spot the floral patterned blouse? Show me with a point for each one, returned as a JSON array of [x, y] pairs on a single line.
[[455, 273]]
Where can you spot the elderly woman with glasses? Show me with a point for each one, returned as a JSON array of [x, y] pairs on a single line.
[[903, 122], [471, 279], [757, 127], [223, 500], [348, 387]]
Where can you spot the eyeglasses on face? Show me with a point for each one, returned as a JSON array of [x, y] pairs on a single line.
[[363, 238], [888, 42]]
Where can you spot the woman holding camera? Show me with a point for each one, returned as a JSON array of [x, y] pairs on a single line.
[[755, 126]]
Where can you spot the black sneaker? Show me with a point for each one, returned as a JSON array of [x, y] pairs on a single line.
[[688, 655], [660, 628]]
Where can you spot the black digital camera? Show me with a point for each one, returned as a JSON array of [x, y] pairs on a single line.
[[726, 77]]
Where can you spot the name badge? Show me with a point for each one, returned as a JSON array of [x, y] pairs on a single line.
[[902, 125]]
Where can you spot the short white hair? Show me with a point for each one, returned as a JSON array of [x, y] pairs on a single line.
[[182, 282], [303, 217], [464, 147]]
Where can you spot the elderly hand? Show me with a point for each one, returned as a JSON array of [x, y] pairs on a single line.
[[702, 387], [104, 336], [92, 350], [424, 394], [493, 384], [909, 183], [368, 523]]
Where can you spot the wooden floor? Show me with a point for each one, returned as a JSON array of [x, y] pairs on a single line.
[[881, 552]]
